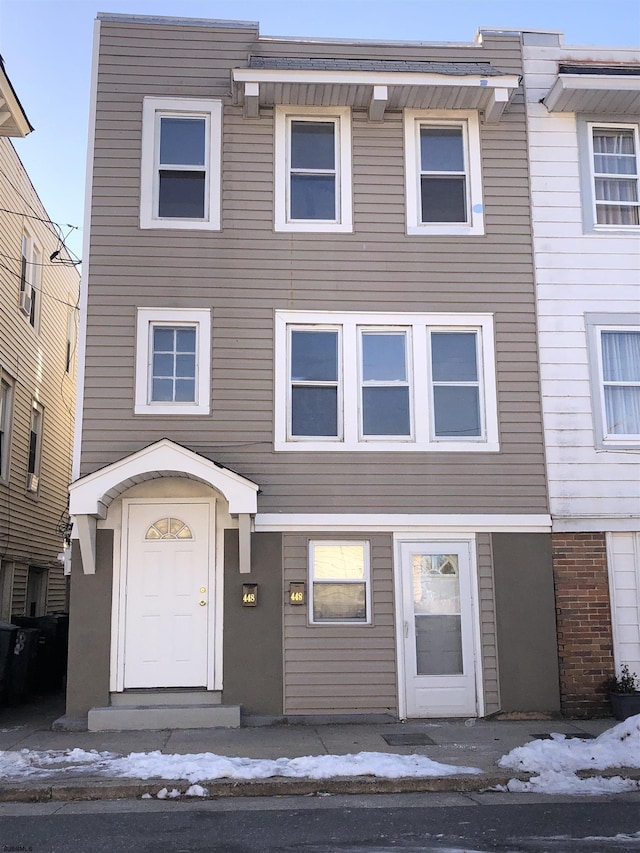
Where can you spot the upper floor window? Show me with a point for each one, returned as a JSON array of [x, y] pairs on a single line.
[[385, 382], [313, 169], [35, 447], [6, 401], [443, 174], [172, 362], [615, 174], [615, 358], [30, 278], [181, 153]]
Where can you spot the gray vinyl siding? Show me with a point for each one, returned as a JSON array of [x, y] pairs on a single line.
[[246, 271], [488, 636], [340, 669], [34, 363]]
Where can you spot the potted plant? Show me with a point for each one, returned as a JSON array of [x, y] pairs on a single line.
[[624, 693]]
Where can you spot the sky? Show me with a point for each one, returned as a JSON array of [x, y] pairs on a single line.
[[46, 46], [556, 761]]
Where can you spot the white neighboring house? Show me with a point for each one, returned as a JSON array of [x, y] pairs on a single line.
[[583, 113]]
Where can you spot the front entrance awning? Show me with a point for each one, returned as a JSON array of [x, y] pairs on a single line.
[[373, 85], [91, 496]]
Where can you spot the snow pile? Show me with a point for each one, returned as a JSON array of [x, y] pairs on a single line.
[[208, 766], [557, 761]]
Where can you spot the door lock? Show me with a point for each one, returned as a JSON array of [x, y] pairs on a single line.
[[203, 589]]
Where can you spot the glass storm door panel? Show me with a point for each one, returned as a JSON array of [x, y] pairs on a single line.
[[438, 612]]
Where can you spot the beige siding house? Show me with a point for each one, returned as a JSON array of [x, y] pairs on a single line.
[[310, 473], [38, 321]]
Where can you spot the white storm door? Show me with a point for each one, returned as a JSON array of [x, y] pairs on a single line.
[[167, 594], [438, 631]]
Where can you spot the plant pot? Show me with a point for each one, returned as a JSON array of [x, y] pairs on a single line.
[[624, 705]]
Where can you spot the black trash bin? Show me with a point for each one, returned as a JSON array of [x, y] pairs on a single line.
[[51, 659], [21, 667], [7, 645]]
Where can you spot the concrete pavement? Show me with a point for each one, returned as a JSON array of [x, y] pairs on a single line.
[[477, 743]]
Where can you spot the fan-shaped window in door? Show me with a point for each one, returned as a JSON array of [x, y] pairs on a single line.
[[169, 528]]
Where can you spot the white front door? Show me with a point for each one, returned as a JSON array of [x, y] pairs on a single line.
[[168, 594], [438, 631]]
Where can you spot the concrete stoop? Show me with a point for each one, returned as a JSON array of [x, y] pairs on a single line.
[[140, 710]]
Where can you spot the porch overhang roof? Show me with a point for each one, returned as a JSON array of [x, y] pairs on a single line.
[[13, 119], [374, 86], [90, 496], [600, 90]]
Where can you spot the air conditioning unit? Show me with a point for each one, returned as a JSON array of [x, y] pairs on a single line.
[[25, 303], [32, 483]]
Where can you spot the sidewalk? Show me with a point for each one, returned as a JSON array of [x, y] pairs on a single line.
[[475, 743]]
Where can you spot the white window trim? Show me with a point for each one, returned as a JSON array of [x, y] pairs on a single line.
[[596, 324], [468, 120], [342, 118], [612, 125], [146, 319], [418, 360], [211, 110], [37, 462], [367, 582], [33, 282], [7, 415]]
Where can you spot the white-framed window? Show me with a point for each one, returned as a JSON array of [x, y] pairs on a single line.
[[35, 447], [615, 359], [181, 163], [615, 175], [6, 408], [339, 582], [313, 169], [30, 278], [443, 172], [173, 362], [369, 381]]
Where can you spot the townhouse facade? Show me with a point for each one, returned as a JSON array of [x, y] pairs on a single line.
[[38, 323], [310, 472], [583, 107]]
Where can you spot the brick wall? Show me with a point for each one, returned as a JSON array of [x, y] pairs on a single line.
[[583, 611]]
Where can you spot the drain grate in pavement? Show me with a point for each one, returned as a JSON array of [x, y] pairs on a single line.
[[409, 739], [580, 736]]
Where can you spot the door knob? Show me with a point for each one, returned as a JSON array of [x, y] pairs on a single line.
[[202, 603]]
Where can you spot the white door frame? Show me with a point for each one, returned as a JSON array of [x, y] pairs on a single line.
[[215, 581], [400, 539]]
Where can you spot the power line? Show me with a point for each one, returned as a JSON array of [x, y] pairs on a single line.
[[40, 290]]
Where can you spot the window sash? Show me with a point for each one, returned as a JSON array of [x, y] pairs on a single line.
[[395, 393], [327, 384], [432, 177], [5, 422], [175, 375], [322, 590], [35, 441], [619, 375], [616, 191], [190, 170], [329, 176], [467, 391]]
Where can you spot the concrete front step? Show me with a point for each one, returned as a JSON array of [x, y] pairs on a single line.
[[138, 718], [146, 698]]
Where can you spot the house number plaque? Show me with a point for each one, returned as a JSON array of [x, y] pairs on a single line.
[[296, 592], [249, 594]]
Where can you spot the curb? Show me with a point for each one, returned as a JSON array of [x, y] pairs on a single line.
[[18, 792]]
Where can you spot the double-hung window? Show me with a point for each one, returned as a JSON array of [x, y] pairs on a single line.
[[35, 447], [181, 153], [30, 278], [313, 169], [443, 176], [385, 382], [615, 350], [615, 175], [339, 580], [6, 399], [173, 361]]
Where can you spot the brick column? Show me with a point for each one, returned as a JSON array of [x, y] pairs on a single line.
[[583, 612]]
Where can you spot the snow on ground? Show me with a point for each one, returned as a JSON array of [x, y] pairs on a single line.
[[556, 761], [208, 766]]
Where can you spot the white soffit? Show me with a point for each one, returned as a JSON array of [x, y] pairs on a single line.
[[599, 94], [375, 92], [13, 119]]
